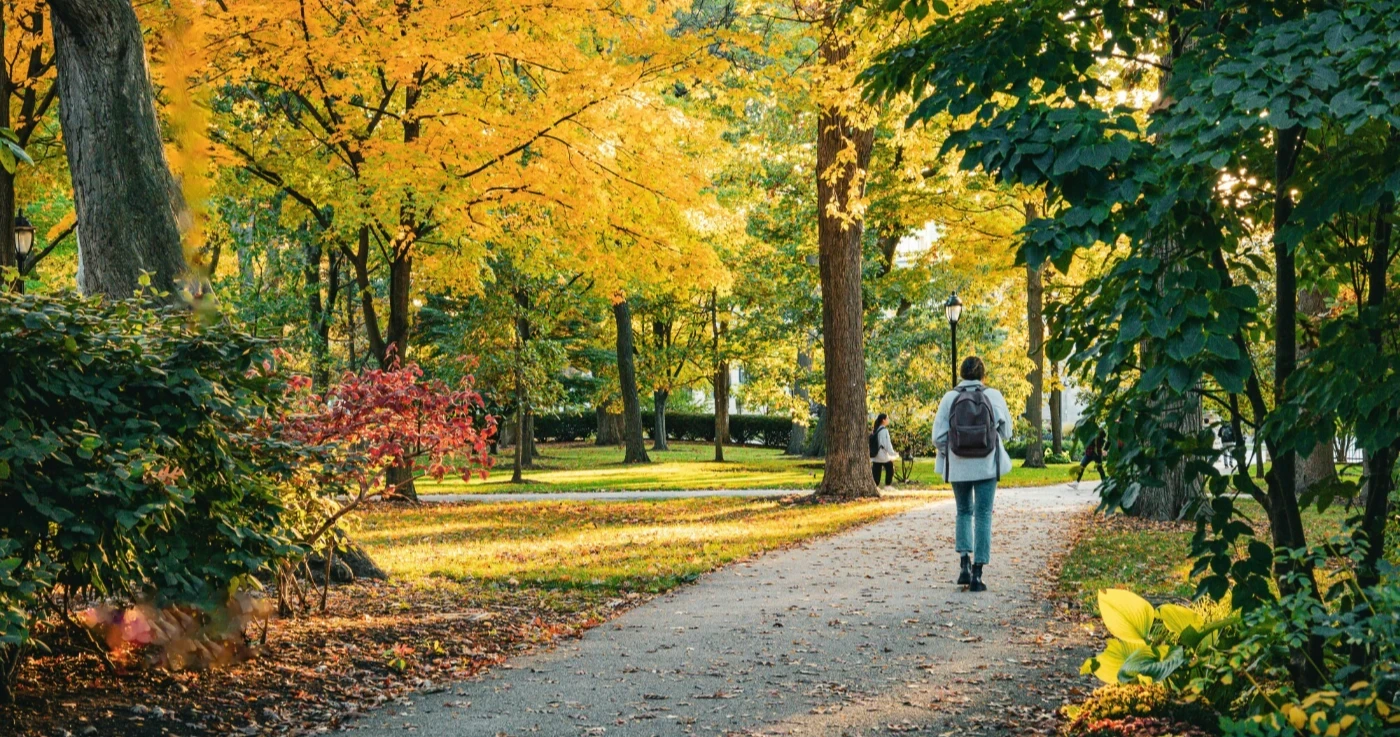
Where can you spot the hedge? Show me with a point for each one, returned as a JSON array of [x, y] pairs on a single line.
[[763, 430]]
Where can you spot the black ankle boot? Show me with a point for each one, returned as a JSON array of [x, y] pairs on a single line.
[[976, 584], [965, 575]]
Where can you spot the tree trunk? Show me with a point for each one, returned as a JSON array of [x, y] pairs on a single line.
[[816, 447], [1306, 664], [609, 428], [797, 436], [400, 282], [721, 391], [400, 482], [658, 433], [527, 439], [1181, 412], [518, 461], [719, 379], [1035, 329], [125, 196], [320, 312], [627, 376], [1318, 467], [8, 257], [843, 157], [1057, 417]]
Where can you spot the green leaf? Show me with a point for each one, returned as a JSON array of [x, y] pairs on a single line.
[[1125, 614]]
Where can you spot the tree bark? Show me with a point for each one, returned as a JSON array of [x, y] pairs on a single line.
[[125, 196], [609, 428], [1319, 466], [320, 311], [627, 377], [8, 257], [843, 158], [721, 390], [719, 379], [1182, 413], [797, 436], [658, 433], [1057, 415], [1035, 329]]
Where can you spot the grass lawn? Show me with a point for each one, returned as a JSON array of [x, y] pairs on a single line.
[[1153, 559], [574, 554], [585, 467]]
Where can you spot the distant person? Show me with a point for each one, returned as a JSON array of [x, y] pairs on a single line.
[[882, 453], [1227, 444], [1093, 453], [970, 432]]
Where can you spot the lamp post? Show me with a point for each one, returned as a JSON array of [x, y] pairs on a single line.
[[953, 308], [24, 240]]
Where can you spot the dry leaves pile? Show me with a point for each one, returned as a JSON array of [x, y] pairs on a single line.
[[379, 642]]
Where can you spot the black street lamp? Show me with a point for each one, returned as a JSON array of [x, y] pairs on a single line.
[[953, 308], [24, 239]]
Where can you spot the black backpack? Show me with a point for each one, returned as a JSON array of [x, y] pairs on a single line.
[[972, 425], [875, 443]]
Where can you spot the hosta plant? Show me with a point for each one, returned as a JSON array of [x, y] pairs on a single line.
[[1152, 644]]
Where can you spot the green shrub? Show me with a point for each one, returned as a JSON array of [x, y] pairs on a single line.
[[130, 458]]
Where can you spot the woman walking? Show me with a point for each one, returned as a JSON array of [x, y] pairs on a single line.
[[882, 453], [970, 432]]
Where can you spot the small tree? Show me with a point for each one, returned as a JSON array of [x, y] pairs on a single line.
[[363, 427]]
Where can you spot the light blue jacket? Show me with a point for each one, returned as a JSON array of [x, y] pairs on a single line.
[[954, 468]]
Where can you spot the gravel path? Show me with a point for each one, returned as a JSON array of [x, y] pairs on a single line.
[[857, 634]]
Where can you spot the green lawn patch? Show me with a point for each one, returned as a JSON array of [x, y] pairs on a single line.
[[686, 466]]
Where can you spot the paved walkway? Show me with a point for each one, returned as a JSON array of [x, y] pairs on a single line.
[[608, 496], [860, 633]]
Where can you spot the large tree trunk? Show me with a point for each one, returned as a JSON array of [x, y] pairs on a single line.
[[609, 428], [1182, 412], [843, 157], [126, 198], [627, 376], [658, 432], [1057, 415], [1035, 329], [1318, 467]]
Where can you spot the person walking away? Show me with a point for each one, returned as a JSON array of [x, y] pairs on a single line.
[[882, 453], [970, 433], [1093, 453]]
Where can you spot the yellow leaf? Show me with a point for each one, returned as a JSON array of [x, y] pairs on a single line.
[[1128, 616], [1177, 618]]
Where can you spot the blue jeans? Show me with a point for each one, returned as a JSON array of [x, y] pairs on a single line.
[[978, 512]]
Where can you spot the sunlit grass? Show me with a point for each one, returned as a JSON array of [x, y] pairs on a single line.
[[593, 549], [585, 467], [1154, 560]]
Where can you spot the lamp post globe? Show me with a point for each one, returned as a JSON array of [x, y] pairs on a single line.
[[953, 308], [24, 238]]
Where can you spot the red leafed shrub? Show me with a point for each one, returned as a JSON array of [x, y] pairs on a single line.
[[367, 435], [381, 419]]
